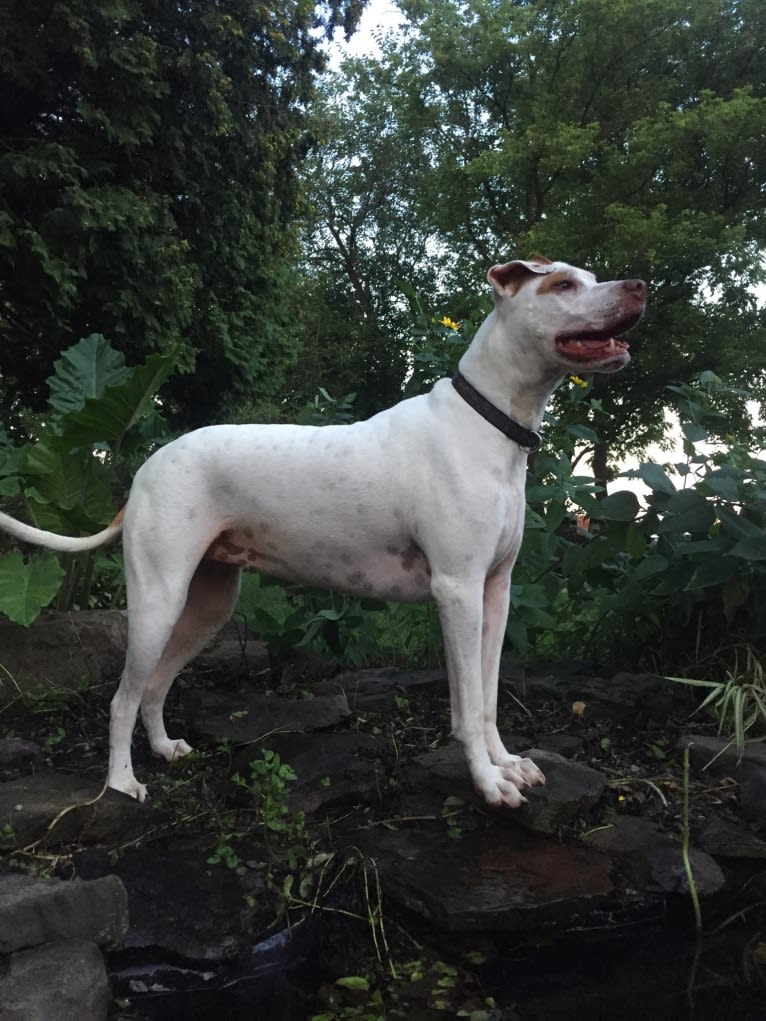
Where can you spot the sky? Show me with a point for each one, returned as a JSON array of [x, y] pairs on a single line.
[[378, 15]]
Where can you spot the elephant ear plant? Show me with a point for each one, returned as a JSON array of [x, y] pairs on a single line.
[[103, 418]]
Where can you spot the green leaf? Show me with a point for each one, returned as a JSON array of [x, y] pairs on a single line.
[[655, 477], [353, 982], [694, 433], [654, 564], [697, 519], [714, 571], [751, 548], [583, 432], [620, 506], [27, 586], [62, 482], [84, 371], [737, 525], [107, 418]]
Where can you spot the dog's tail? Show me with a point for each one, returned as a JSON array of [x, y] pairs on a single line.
[[61, 543]]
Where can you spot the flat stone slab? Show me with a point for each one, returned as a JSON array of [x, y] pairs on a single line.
[[652, 860], [715, 756], [60, 649], [58, 808], [178, 902], [571, 788], [623, 697], [250, 717], [375, 690], [487, 881], [329, 768], [35, 911], [724, 839]]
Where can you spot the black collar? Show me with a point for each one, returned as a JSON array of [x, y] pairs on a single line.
[[528, 440]]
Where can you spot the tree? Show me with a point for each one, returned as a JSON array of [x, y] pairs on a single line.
[[367, 258], [624, 136], [148, 185]]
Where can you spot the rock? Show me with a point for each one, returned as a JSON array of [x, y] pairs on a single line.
[[376, 690], [622, 698], [181, 905], [64, 981], [752, 794], [61, 650], [488, 881], [724, 839], [716, 757], [17, 756], [667, 872], [625, 835], [447, 770], [564, 744], [571, 789], [76, 807], [652, 860], [34, 911], [330, 769], [232, 657], [249, 717]]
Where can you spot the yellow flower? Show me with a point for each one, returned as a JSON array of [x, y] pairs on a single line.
[[578, 382], [446, 321]]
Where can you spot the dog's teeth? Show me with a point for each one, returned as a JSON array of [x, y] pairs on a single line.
[[612, 344]]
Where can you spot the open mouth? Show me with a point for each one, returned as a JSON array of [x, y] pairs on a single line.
[[596, 345]]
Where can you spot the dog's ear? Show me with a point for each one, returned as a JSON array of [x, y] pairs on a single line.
[[509, 276]]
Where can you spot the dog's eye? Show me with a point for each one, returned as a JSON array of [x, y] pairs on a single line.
[[564, 285]]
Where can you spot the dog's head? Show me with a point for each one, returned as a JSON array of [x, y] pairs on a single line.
[[578, 322]]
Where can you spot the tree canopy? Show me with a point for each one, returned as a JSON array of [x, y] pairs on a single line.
[[148, 186], [625, 137]]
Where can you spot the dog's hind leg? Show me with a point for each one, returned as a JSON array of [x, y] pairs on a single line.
[[212, 595], [159, 588]]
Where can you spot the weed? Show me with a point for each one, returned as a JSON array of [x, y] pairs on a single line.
[[739, 701]]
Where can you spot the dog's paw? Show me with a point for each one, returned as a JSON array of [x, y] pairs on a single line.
[[498, 789], [523, 772], [171, 750], [131, 787]]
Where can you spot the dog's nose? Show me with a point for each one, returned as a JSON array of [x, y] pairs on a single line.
[[637, 287]]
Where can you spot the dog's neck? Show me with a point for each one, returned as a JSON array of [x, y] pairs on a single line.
[[514, 379]]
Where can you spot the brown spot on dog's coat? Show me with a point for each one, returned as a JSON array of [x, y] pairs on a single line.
[[411, 556], [551, 281]]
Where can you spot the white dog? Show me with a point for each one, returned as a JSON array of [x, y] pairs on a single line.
[[425, 499]]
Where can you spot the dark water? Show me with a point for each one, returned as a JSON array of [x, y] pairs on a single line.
[[656, 972]]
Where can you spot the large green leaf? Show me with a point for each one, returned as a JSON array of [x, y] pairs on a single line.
[[698, 518], [83, 371], [655, 477], [713, 571], [620, 506], [67, 481], [106, 419], [27, 586], [751, 548]]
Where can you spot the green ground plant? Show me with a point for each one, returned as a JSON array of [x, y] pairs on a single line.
[[738, 701], [103, 419]]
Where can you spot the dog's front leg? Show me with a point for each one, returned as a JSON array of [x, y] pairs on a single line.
[[460, 602], [497, 598]]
